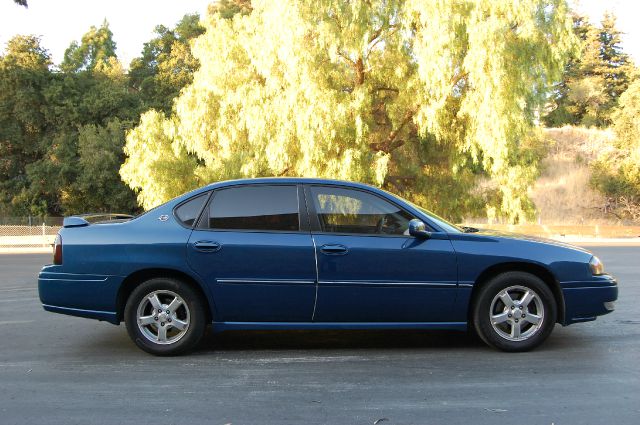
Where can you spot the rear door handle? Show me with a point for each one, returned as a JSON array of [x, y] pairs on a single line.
[[207, 246], [333, 249]]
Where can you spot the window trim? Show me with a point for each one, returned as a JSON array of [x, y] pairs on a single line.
[[316, 227], [302, 213], [207, 194]]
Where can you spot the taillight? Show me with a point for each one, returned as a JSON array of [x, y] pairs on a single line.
[[57, 250]]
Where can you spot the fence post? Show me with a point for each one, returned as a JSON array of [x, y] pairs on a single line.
[[44, 238]]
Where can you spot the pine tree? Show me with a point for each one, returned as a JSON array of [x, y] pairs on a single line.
[[593, 80], [616, 68]]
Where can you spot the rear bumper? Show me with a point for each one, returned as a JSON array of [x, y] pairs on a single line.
[[83, 295], [107, 316], [584, 301]]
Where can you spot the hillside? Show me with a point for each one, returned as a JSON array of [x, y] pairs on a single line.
[[562, 193]]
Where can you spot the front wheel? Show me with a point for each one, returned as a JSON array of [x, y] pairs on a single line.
[[165, 317], [514, 311]]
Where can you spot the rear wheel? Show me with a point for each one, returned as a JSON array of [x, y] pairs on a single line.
[[514, 311], [165, 317]]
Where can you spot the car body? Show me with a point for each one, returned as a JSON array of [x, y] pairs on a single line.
[[323, 254]]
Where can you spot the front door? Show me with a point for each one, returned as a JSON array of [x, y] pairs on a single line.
[[370, 269], [257, 259]]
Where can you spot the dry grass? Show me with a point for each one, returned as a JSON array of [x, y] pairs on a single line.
[[562, 193], [579, 143]]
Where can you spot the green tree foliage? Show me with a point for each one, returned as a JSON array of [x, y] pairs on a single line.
[[617, 68], [46, 119], [595, 78], [24, 73], [617, 173], [74, 102], [420, 97], [52, 119], [166, 64], [96, 48], [168, 168], [100, 152], [227, 9], [77, 102]]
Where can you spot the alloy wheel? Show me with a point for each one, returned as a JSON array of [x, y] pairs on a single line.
[[517, 313], [163, 317]]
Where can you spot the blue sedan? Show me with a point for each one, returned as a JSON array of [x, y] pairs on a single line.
[[295, 253]]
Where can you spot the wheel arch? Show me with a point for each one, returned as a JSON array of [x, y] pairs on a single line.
[[140, 276], [535, 269]]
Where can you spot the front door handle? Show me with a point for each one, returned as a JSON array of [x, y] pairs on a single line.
[[207, 246], [333, 249]]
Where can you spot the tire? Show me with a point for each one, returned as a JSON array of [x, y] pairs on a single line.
[[165, 317], [518, 321]]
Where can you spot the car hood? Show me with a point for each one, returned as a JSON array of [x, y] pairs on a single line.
[[518, 236]]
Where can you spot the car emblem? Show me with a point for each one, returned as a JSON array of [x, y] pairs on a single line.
[[163, 217]]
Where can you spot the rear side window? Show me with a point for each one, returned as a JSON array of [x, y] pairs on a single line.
[[255, 208], [343, 210], [188, 212]]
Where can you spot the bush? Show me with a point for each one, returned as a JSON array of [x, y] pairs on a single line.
[[617, 173]]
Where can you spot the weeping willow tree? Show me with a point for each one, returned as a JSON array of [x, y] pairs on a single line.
[[423, 98]]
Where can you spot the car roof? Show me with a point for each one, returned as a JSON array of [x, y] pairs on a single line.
[[273, 180], [290, 180]]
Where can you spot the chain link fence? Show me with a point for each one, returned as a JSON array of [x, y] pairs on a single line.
[[28, 232]]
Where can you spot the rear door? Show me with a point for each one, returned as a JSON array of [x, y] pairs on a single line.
[[369, 268], [253, 248]]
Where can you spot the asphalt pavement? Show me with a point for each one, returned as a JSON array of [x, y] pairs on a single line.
[[56, 369]]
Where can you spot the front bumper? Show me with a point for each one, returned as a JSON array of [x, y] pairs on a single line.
[[584, 301]]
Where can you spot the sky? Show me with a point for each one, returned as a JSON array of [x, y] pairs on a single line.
[[627, 12], [59, 22]]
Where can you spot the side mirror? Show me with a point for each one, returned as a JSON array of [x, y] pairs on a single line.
[[418, 229]]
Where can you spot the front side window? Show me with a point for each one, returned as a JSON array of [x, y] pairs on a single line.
[[343, 210], [258, 207]]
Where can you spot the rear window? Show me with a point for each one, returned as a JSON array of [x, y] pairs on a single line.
[[255, 208]]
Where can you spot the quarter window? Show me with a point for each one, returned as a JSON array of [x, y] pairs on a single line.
[[255, 208], [352, 211], [189, 212]]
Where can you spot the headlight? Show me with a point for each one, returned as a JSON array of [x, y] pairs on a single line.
[[597, 268]]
